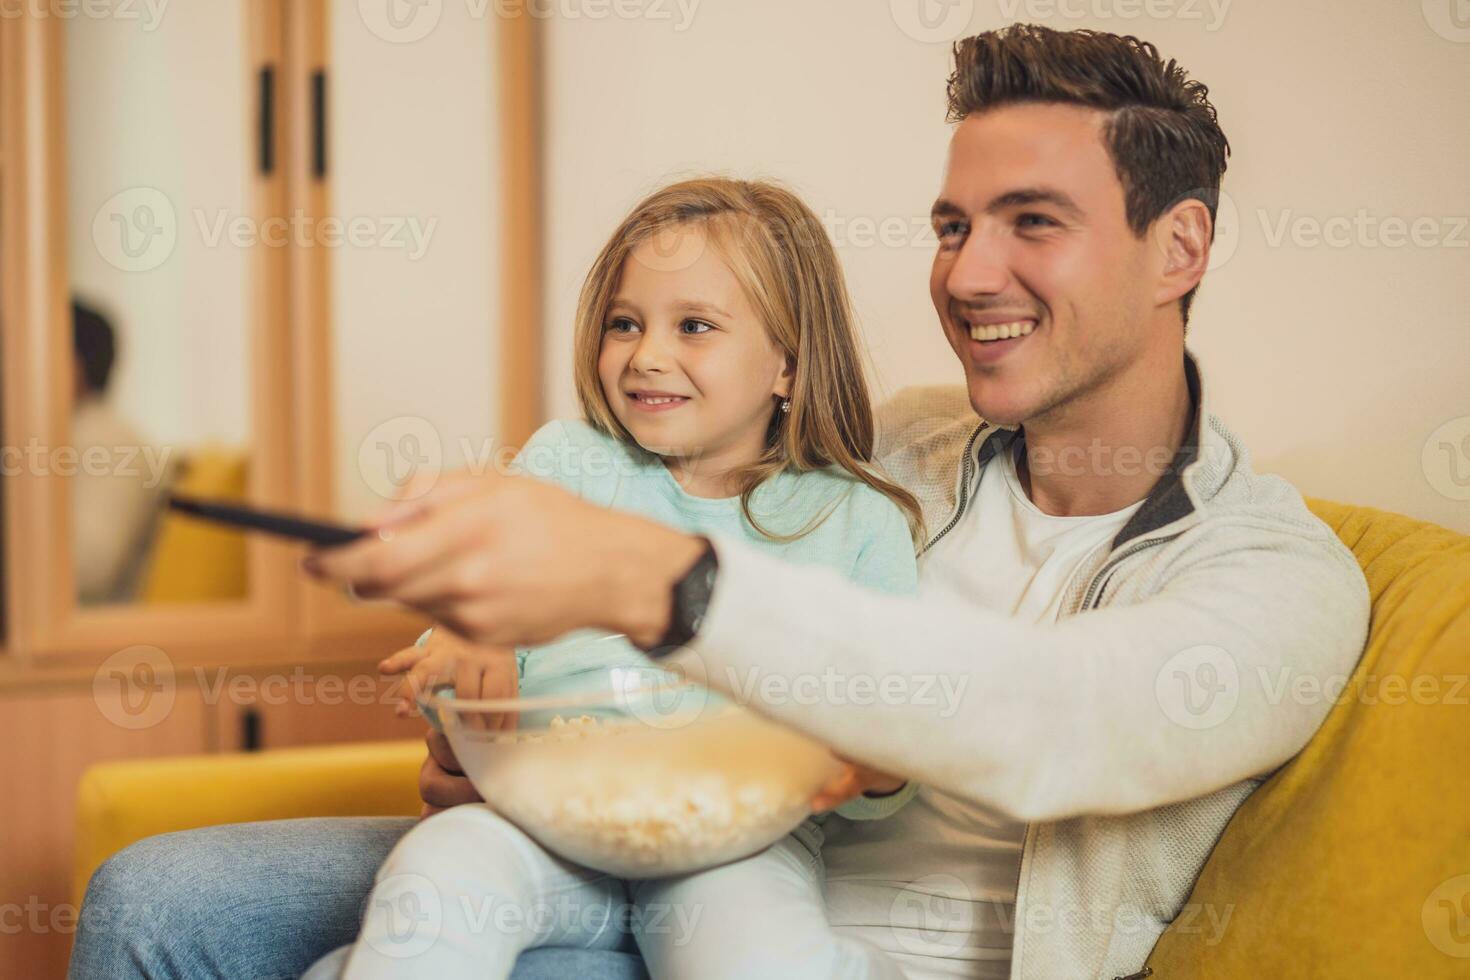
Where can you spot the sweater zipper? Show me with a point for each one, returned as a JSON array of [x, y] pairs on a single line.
[[966, 467], [1112, 563]]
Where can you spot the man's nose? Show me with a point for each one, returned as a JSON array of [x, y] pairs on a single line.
[[980, 269]]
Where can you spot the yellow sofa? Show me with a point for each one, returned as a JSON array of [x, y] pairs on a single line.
[[1351, 861]]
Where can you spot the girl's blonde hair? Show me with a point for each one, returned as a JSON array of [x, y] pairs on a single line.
[[784, 261]]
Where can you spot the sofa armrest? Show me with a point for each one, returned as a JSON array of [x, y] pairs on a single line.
[[119, 803]]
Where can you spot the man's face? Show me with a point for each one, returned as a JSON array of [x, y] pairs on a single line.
[[1034, 245]]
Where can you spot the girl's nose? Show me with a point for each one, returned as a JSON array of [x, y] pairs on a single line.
[[650, 356]]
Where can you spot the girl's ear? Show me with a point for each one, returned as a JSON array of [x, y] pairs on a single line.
[[785, 380]]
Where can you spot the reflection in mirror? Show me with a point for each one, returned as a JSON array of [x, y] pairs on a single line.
[[159, 232]]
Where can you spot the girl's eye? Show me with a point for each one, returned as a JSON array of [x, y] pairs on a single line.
[[695, 327], [621, 325]]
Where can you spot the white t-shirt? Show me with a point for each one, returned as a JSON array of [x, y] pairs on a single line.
[[935, 884]]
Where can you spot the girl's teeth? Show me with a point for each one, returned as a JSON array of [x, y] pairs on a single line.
[[1002, 331]]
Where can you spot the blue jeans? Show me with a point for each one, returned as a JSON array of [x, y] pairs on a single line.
[[262, 901]]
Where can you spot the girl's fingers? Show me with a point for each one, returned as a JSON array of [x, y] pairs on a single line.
[[397, 663]]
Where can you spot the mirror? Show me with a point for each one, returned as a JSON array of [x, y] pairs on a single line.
[[160, 232]]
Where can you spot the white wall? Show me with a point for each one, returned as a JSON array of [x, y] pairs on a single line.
[[1335, 364], [157, 119]]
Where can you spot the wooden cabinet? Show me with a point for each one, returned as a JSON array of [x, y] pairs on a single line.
[[226, 188]]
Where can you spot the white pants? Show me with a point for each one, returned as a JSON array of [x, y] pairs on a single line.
[[465, 892]]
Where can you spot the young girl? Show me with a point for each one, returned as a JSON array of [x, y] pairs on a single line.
[[718, 370]]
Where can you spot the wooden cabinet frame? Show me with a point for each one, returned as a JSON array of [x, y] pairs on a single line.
[[285, 617]]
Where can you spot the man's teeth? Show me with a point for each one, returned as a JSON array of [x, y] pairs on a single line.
[[1002, 331]]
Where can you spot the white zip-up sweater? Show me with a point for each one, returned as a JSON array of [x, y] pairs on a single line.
[[1127, 733]]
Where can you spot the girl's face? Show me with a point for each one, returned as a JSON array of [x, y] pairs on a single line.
[[685, 364]]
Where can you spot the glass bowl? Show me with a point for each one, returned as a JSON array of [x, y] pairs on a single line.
[[634, 772]]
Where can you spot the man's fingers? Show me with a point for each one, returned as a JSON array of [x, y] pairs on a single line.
[[440, 789], [426, 492], [376, 565]]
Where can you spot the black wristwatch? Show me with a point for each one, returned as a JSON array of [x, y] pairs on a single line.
[[691, 598]]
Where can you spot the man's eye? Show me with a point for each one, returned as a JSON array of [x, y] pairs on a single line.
[[1035, 221], [621, 325], [949, 229], [695, 327]]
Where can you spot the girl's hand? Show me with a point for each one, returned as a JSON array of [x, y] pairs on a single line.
[[477, 673], [853, 781]]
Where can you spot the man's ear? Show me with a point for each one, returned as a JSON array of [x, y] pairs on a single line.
[[1182, 234]]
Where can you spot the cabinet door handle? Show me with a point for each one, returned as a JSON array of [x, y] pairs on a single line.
[[319, 123], [267, 120]]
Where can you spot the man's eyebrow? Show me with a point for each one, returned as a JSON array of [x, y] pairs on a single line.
[[946, 209], [1023, 196]]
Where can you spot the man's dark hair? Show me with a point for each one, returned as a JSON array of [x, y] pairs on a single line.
[[1161, 131], [95, 345]]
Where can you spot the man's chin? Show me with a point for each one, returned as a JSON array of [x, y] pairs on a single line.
[[1000, 404]]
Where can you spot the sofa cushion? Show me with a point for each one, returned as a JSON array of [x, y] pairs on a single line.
[[1353, 860]]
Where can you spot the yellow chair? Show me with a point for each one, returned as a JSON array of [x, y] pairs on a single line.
[[1352, 861]]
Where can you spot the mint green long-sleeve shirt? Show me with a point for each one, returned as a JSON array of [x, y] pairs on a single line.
[[858, 533]]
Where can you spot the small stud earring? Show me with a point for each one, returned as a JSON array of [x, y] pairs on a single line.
[[786, 405]]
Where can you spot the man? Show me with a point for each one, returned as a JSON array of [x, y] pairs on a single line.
[[1105, 578]]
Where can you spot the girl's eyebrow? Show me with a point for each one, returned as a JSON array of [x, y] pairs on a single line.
[[708, 309]]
